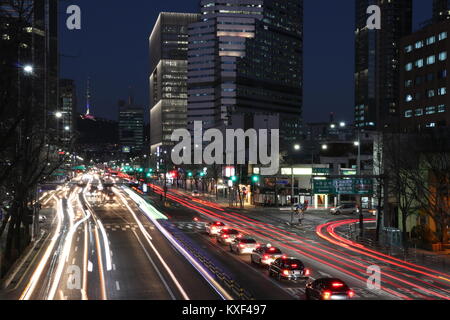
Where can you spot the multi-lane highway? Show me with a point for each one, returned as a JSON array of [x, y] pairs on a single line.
[[327, 254], [128, 246], [110, 251]]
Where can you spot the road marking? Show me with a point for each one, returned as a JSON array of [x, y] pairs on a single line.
[[73, 261], [117, 286], [155, 267], [324, 274], [114, 267]]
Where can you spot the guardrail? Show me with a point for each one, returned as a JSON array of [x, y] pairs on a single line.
[[237, 291]]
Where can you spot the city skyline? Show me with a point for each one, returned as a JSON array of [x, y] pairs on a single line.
[[83, 56]]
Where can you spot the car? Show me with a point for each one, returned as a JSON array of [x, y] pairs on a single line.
[[265, 255], [244, 246], [328, 289], [214, 228], [195, 193], [227, 236], [345, 209], [286, 268]]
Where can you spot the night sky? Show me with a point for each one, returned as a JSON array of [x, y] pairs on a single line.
[[112, 49]]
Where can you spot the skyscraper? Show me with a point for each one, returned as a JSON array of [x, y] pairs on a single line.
[[377, 63], [168, 78], [245, 57], [131, 127], [441, 10], [68, 105]]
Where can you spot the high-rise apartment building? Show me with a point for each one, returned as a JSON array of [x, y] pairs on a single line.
[[377, 70], [245, 57], [168, 77]]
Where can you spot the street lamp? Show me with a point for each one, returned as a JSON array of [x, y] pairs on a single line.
[[324, 147], [28, 69], [297, 147], [58, 115], [342, 124]]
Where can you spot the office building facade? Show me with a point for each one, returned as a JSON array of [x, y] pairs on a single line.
[[131, 127], [68, 107], [168, 77], [377, 69], [245, 58], [424, 96], [441, 10]]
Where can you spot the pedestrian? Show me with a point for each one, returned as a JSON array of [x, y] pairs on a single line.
[[301, 216]]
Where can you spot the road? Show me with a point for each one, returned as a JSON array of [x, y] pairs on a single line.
[[101, 251], [133, 248], [323, 254]]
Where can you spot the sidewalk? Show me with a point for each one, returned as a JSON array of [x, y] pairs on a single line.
[[434, 260]]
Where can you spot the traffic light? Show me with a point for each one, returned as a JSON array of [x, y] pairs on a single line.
[[189, 174], [255, 179], [234, 178]]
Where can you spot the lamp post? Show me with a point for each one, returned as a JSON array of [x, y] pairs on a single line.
[[358, 202], [297, 148]]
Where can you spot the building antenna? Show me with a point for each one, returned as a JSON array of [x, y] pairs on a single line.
[[88, 97]]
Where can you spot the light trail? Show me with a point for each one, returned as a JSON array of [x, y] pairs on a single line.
[[64, 255], [206, 275], [34, 280], [296, 238], [331, 226], [149, 240]]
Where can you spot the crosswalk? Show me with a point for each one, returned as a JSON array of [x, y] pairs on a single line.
[[126, 227], [191, 226]]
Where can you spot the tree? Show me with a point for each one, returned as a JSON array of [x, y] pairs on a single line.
[[417, 166], [29, 145]]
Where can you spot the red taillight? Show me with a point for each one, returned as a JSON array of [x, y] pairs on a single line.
[[286, 272], [337, 285], [294, 266], [258, 245], [218, 223], [272, 249], [225, 236], [351, 294], [307, 272], [266, 257], [239, 236], [326, 295], [242, 246]]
